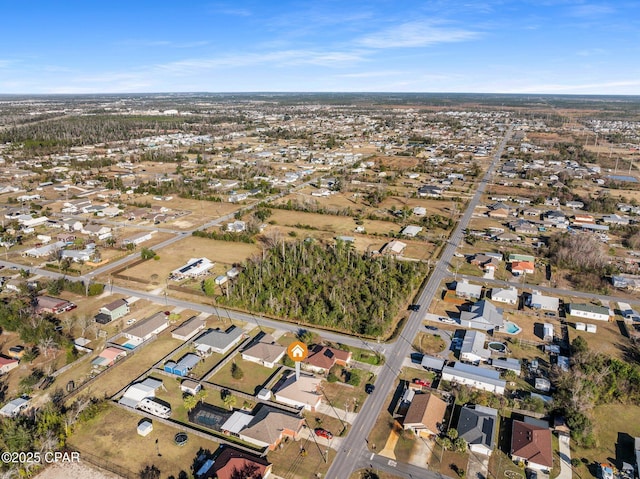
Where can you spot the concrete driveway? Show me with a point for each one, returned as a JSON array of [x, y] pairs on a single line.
[[565, 457]]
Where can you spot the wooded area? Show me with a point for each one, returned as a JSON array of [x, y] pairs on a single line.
[[327, 285]]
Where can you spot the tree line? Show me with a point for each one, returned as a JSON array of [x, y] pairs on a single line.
[[332, 286]]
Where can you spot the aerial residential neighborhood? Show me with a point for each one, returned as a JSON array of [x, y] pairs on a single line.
[[458, 284]]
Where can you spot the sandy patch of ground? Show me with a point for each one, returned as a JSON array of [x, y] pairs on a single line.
[[390, 445], [81, 470]]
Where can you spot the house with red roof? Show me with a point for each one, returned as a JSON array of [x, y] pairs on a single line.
[[521, 267], [7, 364]]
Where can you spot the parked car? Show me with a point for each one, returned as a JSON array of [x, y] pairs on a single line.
[[422, 382], [447, 320], [131, 321], [323, 433], [431, 328], [369, 388], [414, 307]]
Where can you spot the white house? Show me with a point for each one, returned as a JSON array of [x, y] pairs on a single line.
[[475, 377], [472, 349], [589, 311], [505, 295], [411, 231], [466, 290], [539, 301], [195, 267]]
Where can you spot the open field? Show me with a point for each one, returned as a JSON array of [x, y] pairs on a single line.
[[345, 396], [615, 426], [340, 225], [115, 425], [429, 344], [225, 253]]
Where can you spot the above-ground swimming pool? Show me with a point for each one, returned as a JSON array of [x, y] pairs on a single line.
[[511, 328], [497, 346]]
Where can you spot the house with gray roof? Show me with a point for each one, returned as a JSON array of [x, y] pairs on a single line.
[[472, 349], [217, 341], [478, 425], [482, 315], [466, 290]]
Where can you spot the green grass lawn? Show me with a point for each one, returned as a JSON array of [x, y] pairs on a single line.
[[343, 396], [254, 376], [615, 426], [116, 426], [203, 367], [427, 343]]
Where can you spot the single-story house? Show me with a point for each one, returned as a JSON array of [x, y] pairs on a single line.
[[394, 248], [267, 428], [7, 364], [147, 328], [139, 391], [537, 300], [466, 290], [472, 349], [522, 267], [189, 328], [322, 358], [138, 238], [589, 311], [432, 363], [98, 231], [15, 407], [425, 415], [505, 295], [531, 443], [411, 231], [44, 251], [265, 352], [109, 356], [301, 393], [49, 304], [478, 426], [482, 315], [195, 267], [475, 377], [217, 341]]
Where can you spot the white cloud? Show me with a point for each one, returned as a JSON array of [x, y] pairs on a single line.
[[589, 52], [416, 34]]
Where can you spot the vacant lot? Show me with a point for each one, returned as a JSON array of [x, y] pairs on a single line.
[[615, 427], [177, 254], [429, 343], [341, 225], [116, 426]]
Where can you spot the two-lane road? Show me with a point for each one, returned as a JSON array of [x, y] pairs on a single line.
[[346, 461]]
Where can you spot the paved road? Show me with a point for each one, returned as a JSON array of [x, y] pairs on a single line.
[[546, 289], [347, 459]]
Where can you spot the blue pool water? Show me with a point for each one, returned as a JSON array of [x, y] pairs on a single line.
[[129, 345], [511, 328]]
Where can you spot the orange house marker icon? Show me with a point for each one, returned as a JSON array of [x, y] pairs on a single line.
[[297, 351]]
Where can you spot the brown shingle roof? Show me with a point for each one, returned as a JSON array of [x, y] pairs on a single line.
[[426, 412], [325, 357], [532, 443]]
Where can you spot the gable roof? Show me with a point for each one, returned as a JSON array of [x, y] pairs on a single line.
[[264, 350], [325, 356], [532, 442], [478, 425], [483, 312], [268, 423], [219, 339], [426, 410], [113, 305]]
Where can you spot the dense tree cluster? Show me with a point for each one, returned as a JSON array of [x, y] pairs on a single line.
[[330, 286], [594, 379]]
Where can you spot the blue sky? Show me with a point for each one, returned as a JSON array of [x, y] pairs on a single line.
[[95, 46]]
